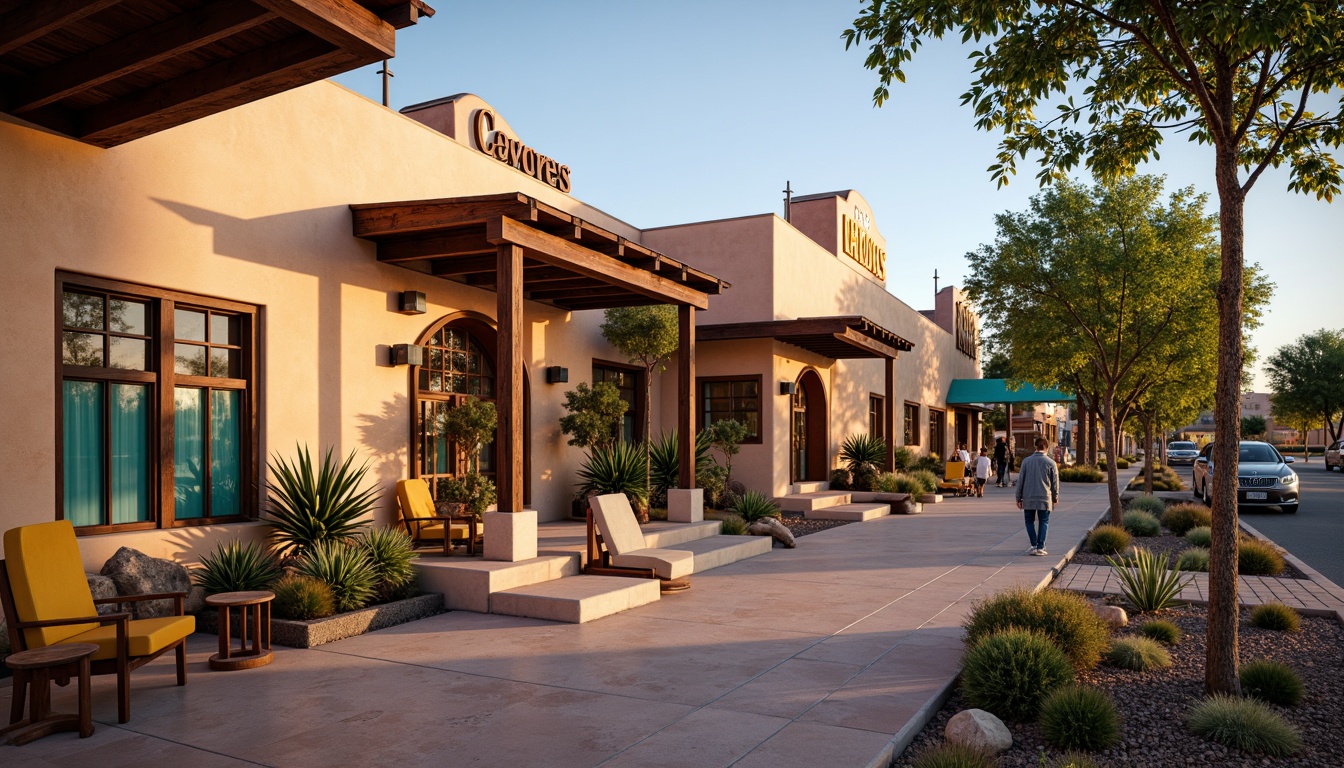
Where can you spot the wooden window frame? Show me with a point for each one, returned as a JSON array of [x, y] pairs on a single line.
[[701, 381], [163, 380], [640, 372], [918, 424], [880, 401], [937, 445]]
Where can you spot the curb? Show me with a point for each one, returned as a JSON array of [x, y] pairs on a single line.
[[1312, 574]]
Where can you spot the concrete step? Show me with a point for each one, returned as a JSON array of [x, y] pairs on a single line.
[[671, 535], [806, 502], [467, 583], [576, 599], [857, 513], [809, 486], [717, 551]]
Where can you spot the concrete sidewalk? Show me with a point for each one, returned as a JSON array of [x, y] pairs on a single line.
[[834, 653]]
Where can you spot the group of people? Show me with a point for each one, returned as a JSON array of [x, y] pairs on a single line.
[[1037, 484], [982, 465]]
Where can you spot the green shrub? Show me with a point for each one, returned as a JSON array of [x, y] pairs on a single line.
[[1150, 504], [714, 480], [1193, 559], [1161, 631], [1065, 618], [732, 525], [1009, 673], [1081, 474], [1275, 616], [390, 552], [1272, 682], [896, 482], [865, 477], [343, 567], [1074, 717], [1199, 536], [1138, 653], [618, 469], [857, 450], [302, 598], [1122, 463], [755, 505], [1259, 558], [1180, 518], [1149, 583], [902, 457], [1140, 523], [1073, 759], [309, 504], [237, 567], [953, 755], [933, 463], [474, 491], [839, 479], [1108, 540], [1244, 724], [927, 479], [665, 461]]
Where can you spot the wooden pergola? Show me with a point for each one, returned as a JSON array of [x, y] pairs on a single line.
[[524, 249], [839, 337], [109, 71]]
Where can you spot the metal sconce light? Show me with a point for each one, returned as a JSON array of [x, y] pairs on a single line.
[[556, 374], [787, 387], [407, 354], [412, 303]]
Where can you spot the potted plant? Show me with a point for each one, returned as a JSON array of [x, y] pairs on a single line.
[[470, 425]]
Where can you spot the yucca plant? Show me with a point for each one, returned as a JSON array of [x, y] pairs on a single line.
[[665, 463], [755, 505], [237, 567], [619, 469], [1149, 583], [858, 450], [345, 568], [311, 504], [390, 552]]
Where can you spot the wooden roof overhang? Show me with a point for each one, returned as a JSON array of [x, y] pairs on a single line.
[[567, 262], [109, 71], [844, 337]]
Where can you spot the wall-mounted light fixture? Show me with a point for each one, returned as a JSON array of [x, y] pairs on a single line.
[[407, 354], [556, 374], [787, 387], [412, 303]]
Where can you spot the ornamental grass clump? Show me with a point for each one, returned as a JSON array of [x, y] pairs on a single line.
[[1081, 474], [237, 567], [1149, 584], [302, 598], [732, 525], [1140, 523], [755, 505], [391, 553], [1275, 616], [927, 479], [1148, 503], [1075, 717], [1180, 518], [1138, 653], [343, 567], [897, 482], [1272, 682], [1162, 631], [1065, 618], [1072, 759], [1244, 724], [1193, 559], [951, 754], [1200, 536], [1009, 673], [1108, 540], [1259, 558]]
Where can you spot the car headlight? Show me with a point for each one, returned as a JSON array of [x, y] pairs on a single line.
[[1288, 479]]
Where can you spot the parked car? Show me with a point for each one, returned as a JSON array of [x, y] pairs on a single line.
[[1264, 478], [1181, 452], [1334, 456]]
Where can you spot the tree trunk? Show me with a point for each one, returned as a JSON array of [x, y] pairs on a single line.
[[1078, 429], [1092, 447], [1220, 671], [1148, 453], [1112, 473]]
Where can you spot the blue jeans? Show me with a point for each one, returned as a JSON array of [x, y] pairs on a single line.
[[1037, 535]]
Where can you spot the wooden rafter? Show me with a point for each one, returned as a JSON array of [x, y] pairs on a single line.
[[347, 25], [34, 20]]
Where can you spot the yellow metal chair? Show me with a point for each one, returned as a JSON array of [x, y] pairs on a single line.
[[954, 479], [46, 601], [423, 523]]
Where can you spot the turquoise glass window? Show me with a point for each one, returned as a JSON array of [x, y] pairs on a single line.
[[83, 438], [129, 411], [189, 452], [226, 471]]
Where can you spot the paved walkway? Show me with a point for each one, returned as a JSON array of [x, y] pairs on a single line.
[[834, 653]]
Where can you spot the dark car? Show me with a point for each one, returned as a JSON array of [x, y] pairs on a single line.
[[1334, 456], [1264, 478], [1181, 452]]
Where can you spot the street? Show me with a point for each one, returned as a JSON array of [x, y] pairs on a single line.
[[1315, 533]]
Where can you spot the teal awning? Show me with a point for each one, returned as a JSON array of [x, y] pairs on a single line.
[[967, 391]]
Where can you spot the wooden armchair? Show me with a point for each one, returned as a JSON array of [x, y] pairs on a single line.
[[425, 525], [616, 547], [46, 601]]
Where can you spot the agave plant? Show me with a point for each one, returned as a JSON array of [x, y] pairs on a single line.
[[858, 450], [343, 567], [1148, 582], [619, 469], [237, 567], [390, 552], [755, 505], [312, 504], [665, 463]]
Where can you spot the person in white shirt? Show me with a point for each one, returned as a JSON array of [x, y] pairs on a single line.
[[981, 472]]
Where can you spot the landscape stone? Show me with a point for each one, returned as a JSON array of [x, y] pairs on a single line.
[[136, 573], [979, 729], [100, 587], [1113, 615], [769, 526]]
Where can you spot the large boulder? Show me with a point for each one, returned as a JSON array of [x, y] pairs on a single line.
[[979, 729], [769, 526], [101, 587], [136, 573], [1114, 616]]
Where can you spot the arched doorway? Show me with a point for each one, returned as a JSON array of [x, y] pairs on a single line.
[[460, 351], [808, 429]]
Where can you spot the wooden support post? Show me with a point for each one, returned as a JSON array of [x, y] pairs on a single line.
[[686, 397], [889, 415], [509, 379]]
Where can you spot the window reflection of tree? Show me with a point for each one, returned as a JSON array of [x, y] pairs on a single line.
[[456, 366]]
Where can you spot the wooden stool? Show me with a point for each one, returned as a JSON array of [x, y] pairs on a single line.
[[36, 668], [259, 604]]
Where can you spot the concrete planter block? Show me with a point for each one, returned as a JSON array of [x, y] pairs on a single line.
[[306, 634], [685, 505], [511, 536]]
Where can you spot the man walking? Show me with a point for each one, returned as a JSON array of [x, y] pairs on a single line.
[[1000, 461], [1037, 494]]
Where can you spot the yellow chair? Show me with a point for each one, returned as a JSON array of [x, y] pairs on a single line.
[[46, 601], [423, 523], [954, 479]]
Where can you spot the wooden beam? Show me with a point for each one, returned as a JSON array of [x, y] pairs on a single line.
[[509, 379], [559, 252], [34, 20], [406, 14], [686, 396], [461, 243], [343, 23], [889, 413], [577, 305], [465, 265], [854, 338], [136, 51], [594, 291], [404, 218]]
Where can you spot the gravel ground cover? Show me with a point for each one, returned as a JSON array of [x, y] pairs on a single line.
[[1166, 544], [1153, 704], [801, 526]]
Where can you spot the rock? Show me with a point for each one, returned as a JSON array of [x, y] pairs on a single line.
[[1113, 615], [101, 587], [979, 729], [196, 599], [769, 526], [136, 573]]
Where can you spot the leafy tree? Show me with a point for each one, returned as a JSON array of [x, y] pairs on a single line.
[[471, 424], [594, 414], [726, 436], [1102, 83], [648, 336], [1307, 378], [1253, 427]]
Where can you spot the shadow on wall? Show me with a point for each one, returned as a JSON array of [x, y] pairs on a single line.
[[386, 435]]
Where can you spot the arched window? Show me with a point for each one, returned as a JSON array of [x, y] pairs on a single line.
[[458, 365]]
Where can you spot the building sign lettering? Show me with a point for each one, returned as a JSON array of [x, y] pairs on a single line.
[[862, 248], [966, 332], [511, 151]]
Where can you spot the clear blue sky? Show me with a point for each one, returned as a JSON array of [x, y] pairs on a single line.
[[677, 112]]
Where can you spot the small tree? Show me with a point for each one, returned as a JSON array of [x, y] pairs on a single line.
[[726, 436], [1253, 427], [594, 415], [1307, 377], [471, 425], [648, 336]]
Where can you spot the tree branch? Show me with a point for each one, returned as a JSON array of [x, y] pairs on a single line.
[[1201, 91], [1278, 140]]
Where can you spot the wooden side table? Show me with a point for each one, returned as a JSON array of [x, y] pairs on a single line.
[[445, 510], [36, 669], [258, 605]]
